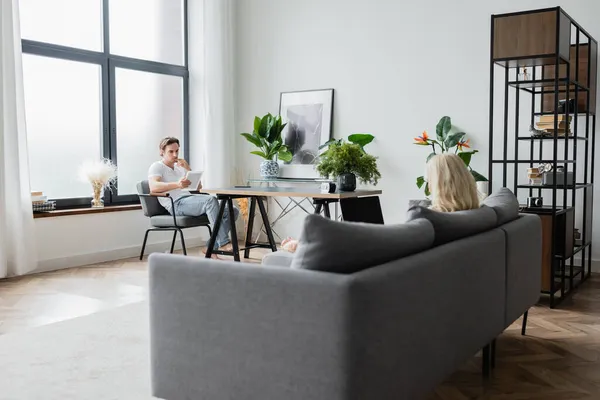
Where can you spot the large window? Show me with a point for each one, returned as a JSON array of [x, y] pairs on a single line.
[[103, 78]]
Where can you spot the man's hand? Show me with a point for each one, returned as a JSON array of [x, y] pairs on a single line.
[[183, 164], [183, 183]]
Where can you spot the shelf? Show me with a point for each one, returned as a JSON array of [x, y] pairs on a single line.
[[578, 249], [551, 138], [551, 187], [548, 84], [571, 114], [534, 161], [544, 210]]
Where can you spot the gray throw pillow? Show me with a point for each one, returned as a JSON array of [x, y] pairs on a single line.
[[450, 226], [504, 203], [348, 247]]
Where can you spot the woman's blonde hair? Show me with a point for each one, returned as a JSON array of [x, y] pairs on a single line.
[[452, 186]]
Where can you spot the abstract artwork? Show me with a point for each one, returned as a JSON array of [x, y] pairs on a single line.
[[308, 115]]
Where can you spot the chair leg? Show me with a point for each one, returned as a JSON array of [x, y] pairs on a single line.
[[173, 241], [144, 244], [182, 242], [524, 326], [209, 231]]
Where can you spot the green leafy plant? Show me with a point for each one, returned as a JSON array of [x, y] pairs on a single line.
[[361, 139], [447, 140], [267, 137], [343, 157]]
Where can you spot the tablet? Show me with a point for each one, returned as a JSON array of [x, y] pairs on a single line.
[[194, 177]]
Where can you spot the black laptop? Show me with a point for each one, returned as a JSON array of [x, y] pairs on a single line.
[[362, 209]]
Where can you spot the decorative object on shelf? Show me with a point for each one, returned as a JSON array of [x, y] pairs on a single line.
[[535, 202], [101, 174], [40, 203], [267, 137], [44, 207], [534, 176], [345, 161], [524, 75], [538, 133], [548, 177], [546, 125], [561, 106], [308, 115], [447, 139]]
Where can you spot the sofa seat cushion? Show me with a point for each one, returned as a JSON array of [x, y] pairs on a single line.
[[348, 247], [166, 221], [450, 226], [505, 204]]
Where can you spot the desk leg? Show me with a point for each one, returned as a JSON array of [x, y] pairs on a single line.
[[233, 233], [213, 237], [251, 214], [326, 210], [265, 219], [318, 208]]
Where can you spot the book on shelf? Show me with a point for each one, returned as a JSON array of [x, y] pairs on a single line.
[[550, 118]]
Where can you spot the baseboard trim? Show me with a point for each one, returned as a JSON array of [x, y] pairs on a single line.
[[596, 266], [81, 260]]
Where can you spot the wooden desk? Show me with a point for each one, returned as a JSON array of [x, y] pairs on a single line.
[[256, 194]]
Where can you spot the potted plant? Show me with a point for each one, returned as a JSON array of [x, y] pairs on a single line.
[[447, 140], [267, 137], [347, 160]]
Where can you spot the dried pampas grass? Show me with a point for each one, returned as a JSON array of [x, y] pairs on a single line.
[[102, 172]]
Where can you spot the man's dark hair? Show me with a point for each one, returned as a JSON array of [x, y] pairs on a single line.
[[167, 141]]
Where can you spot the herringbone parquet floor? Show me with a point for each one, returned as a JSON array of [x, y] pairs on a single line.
[[557, 359]]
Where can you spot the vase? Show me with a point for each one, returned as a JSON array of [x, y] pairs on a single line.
[[269, 169], [482, 190], [347, 182], [97, 200]]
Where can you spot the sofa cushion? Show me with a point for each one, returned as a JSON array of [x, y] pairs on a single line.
[[347, 247], [505, 204], [450, 226]]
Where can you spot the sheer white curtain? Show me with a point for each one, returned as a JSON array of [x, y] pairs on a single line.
[[215, 77], [17, 230]]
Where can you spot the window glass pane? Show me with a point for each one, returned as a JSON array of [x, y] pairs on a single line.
[[74, 23], [147, 29], [64, 123], [149, 107]]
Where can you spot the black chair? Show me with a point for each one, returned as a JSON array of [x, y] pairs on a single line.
[[161, 220]]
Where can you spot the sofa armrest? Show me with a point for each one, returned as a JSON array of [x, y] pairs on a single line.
[[523, 265], [224, 330]]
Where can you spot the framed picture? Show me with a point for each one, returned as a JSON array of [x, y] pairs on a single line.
[[308, 115]]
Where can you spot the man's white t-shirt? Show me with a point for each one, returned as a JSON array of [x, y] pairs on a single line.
[[168, 175]]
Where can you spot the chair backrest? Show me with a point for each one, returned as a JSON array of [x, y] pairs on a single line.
[[362, 209], [150, 205]]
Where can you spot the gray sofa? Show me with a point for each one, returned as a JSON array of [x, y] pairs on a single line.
[[363, 312]]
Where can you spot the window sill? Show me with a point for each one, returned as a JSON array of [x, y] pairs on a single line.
[[83, 211]]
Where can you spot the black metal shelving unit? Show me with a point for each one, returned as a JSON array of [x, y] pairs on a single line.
[[562, 58]]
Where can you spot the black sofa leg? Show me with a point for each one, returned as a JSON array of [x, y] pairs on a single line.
[[182, 242], [486, 362], [524, 326], [493, 350], [173, 241], [144, 244]]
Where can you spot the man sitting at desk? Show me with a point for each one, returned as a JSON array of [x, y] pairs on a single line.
[[169, 176]]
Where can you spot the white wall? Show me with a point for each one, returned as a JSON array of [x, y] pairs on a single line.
[[76, 240], [396, 68]]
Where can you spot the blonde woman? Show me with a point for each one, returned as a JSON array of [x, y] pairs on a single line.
[[452, 186]]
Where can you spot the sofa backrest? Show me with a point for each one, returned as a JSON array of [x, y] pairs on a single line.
[[439, 306]]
